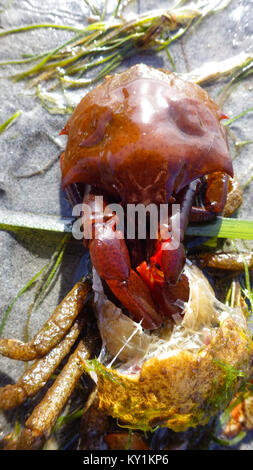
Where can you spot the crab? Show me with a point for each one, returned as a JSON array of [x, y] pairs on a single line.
[[143, 136], [146, 136]]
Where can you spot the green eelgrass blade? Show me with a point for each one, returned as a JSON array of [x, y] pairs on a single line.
[[22, 291], [214, 71], [51, 104], [57, 256], [29, 27], [23, 61], [68, 418], [251, 178], [40, 65], [116, 11], [242, 143], [246, 289], [230, 442], [247, 282], [11, 220], [230, 121], [144, 31], [94, 10], [223, 228], [45, 281], [9, 121], [48, 272], [17, 429]]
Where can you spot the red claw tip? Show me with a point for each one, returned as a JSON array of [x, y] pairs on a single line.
[[223, 116], [64, 131]]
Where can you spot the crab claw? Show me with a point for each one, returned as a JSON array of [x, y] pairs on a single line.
[[110, 258], [164, 294], [135, 296], [170, 261], [109, 254]]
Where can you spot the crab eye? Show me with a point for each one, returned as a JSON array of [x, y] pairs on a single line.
[[186, 114]]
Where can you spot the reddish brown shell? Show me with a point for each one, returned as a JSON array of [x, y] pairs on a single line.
[[144, 134]]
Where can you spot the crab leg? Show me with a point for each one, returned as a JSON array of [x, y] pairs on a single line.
[[40, 372], [170, 261], [223, 193], [53, 330], [234, 197], [173, 261], [226, 261], [163, 275], [39, 425]]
